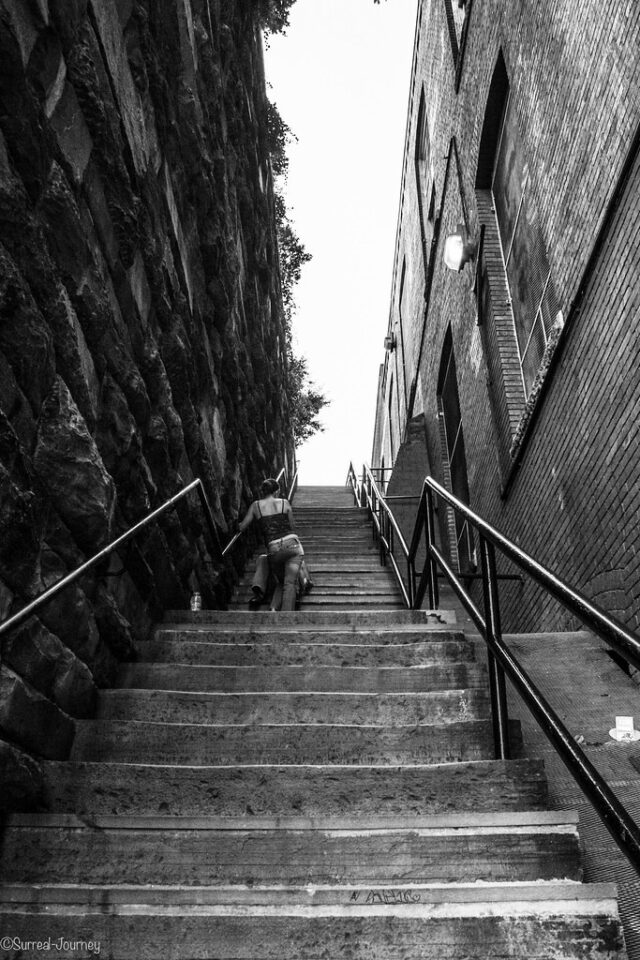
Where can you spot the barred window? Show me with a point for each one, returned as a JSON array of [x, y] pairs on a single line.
[[453, 456], [517, 303], [531, 286], [457, 13], [424, 176]]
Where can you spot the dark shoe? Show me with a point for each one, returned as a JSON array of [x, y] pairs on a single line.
[[256, 600]]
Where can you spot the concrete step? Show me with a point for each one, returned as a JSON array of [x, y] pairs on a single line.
[[316, 620], [495, 848], [357, 547], [452, 922], [371, 593], [336, 520], [161, 706], [361, 587], [89, 789], [524, 897], [326, 578], [342, 604], [324, 679], [335, 601], [263, 632], [352, 537], [277, 651], [115, 741], [338, 566]]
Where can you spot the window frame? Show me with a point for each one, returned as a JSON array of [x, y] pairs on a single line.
[[458, 45]]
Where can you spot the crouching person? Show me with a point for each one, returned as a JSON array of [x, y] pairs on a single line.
[[285, 554]]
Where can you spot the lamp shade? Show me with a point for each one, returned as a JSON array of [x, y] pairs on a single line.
[[454, 252], [459, 248]]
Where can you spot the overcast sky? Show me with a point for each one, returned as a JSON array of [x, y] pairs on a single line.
[[340, 78]]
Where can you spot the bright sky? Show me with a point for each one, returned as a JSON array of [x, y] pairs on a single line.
[[340, 78]]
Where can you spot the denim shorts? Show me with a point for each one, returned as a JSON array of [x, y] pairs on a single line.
[[289, 544]]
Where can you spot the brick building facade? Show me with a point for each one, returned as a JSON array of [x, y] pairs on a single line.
[[523, 127]]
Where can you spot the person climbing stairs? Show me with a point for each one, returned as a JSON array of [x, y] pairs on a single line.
[[340, 552], [302, 785]]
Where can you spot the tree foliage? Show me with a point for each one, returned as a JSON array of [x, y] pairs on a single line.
[[279, 136], [293, 256], [274, 15], [305, 400]]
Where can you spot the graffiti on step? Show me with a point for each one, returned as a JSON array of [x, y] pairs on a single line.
[[389, 897]]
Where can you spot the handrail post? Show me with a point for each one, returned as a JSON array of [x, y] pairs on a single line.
[[411, 580], [434, 598], [497, 684]]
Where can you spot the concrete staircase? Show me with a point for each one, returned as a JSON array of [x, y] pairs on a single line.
[[313, 784]]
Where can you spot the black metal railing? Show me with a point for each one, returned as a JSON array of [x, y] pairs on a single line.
[[367, 494], [14, 621], [502, 663]]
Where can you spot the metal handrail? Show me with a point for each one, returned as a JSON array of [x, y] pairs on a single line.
[[593, 617], [369, 495], [502, 663], [353, 481], [622, 827], [70, 578]]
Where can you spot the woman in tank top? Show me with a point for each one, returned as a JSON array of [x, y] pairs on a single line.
[[284, 550]]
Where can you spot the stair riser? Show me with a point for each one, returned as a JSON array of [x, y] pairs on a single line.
[[346, 589], [283, 652], [285, 679], [160, 707], [201, 636], [318, 620], [338, 604], [293, 791], [359, 934], [344, 565], [319, 744], [323, 581], [213, 858]]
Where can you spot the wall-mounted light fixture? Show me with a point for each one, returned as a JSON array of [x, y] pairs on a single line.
[[390, 342], [459, 248]]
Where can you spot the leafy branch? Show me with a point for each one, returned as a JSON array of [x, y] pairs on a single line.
[[274, 15], [305, 400]]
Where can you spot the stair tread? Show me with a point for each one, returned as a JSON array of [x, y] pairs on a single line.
[[480, 891], [464, 820]]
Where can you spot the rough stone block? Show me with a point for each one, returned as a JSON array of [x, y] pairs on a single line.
[[29, 719], [68, 462], [19, 546], [24, 26], [21, 777], [25, 338], [70, 617], [40, 657], [139, 136], [72, 132]]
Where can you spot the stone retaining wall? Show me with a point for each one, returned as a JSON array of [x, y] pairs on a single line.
[[141, 331]]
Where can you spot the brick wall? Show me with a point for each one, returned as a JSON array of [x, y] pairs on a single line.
[[569, 493]]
